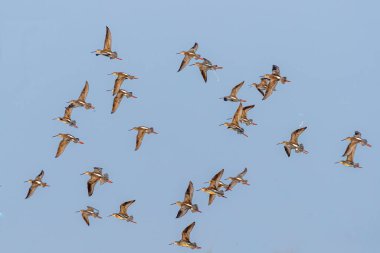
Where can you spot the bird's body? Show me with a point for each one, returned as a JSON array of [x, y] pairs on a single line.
[[119, 96], [66, 139], [36, 183], [81, 101], [354, 140], [187, 204], [349, 162], [262, 86], [205, 66], [67, 117], [120, 77], [293, 142], [185, 240], [107, 48], [89, 212], [141, 131], [214, 188], [96, 176], [188, 55], [238, 179], [244, 116], [234, 124], [233, 95], [122, 214], [273, 78]]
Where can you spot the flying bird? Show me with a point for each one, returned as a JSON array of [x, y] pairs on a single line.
[[67, 117], [189, 54], [35, 183], [238, 179], [214, 188], [205, 66], [66, 139], [120, 77], [244, 117], [187, 204], [234, 125], [96, 176], [141, 131], [107, 51], [262, 86], [89, 212], [119, 96], [354, 140], [185, 240], [233, 95], [122, 215], [293, 142], [81, 101]]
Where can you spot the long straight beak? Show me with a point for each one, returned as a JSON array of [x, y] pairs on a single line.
[[93, 52], [109, 215], [55, 136], [306, 152], [245, 135], [80, 142], [368, 145], [221, 125], [55, 119], [155, 132], [119, 59], [133, 96], [110, 74], [279, 143]]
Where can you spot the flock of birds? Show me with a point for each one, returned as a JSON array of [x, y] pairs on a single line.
[[266, 87]]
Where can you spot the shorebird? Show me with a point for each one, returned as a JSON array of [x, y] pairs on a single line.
[[67, 117], [122, 215], [107, 51], [185, 240], [141, 131], [66, 139], [189, 54], [233, 95], [90, 211], [293, 142], [35, 183], [81, 101], [354, 140], [214, 188], [220, 184], [187, 204], [234, 125], [121, 76], [349, 162], [238, 179], [273, 78], [205, 66], [262, 86], [119, 96], [95, 176]]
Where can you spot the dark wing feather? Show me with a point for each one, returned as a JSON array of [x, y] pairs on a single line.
[[61, 147], [232, 184], [243, 173], [85, 218], [68, 111], [211, 198], [270, 88], [237, 115], [182, 211], [189, 193], [186, 232], [116, 101], [204, 74], [108, 39], [125, 205], [31, 190], [350, 157], [139, 138], [275, 70], [118, 82], [236, 89], [350, 148], [216, 178], [91, 185], [184, 62], [41, 175], [296, 134], [195, 47], [287, 150], [84, 93]]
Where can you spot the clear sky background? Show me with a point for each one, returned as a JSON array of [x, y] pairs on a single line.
[[305, 203]]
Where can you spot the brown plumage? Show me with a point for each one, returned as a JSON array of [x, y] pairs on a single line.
[[81, 101], [185, 238], [293, 142], [66, 139], [233, 95], [95, 176], [188, 55], [205, 66], [36, 183], [141, 131], [119, 96], [120, 77], [90, 211], [107, 48], [238, 179], [187, 204]]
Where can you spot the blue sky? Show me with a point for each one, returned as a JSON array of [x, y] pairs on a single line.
[[305, 203]]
